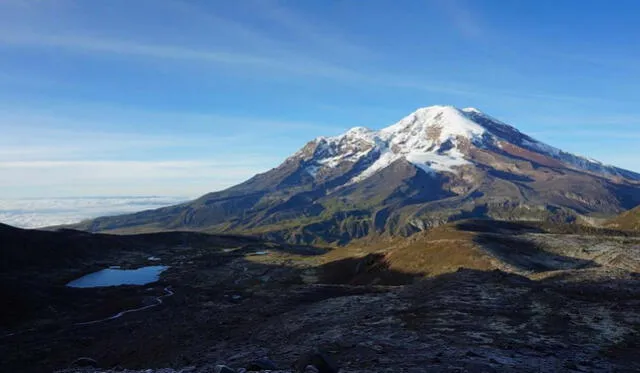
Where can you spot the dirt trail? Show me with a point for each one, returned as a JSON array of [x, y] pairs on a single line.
[[168, 293]]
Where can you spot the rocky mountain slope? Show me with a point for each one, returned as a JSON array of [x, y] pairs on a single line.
[[436, 165]]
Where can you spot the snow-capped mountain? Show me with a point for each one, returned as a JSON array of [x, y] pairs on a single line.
[[435, 139], [438, 164]]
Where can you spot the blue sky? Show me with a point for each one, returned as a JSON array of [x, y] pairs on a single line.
[[180, 97]]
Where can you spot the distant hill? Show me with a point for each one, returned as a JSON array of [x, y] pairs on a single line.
[[629, 220], [438, 164], [34, 249], [28, 248]]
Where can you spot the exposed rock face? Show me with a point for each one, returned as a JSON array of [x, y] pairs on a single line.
[[436, 165]]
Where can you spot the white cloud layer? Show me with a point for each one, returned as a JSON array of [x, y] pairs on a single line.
[[41, 212], [81, 178]]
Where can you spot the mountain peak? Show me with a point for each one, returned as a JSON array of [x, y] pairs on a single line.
[[435, 123], [359, 132], [439, 138]]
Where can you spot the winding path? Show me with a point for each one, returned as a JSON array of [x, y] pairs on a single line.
[[168, 293]]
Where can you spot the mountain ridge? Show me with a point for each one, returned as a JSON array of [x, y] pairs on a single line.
[[437, 164]]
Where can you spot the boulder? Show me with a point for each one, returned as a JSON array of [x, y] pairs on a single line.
[[262, 364], [223, 369], [322, 362]]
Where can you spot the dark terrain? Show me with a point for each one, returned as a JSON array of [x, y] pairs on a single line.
[[476, 296]]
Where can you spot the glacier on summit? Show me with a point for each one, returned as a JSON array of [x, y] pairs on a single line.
[[435, 139]]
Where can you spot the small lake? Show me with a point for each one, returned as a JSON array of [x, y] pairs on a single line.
[[115, 277]]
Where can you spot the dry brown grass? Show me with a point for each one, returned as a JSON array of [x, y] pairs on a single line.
[[629, 220], [439, 251]]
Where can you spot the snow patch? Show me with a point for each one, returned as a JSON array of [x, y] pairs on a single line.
[[447, 120], [438, 162], [385, 159], [312, 170], [543, 148]]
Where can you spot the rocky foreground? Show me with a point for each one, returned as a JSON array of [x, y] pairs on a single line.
[[468, 321], [533, 302], [213, 369]]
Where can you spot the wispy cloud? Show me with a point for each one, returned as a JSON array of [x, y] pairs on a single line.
[[34, 143], [131, 167], [147, 50], [77, 178], [309, 31], [592, 135], [620, 61], [463, 18], [621, 120], [228, 42], [305, 48], [18, 118], [303, 34], [62, 151], [285, 65]]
